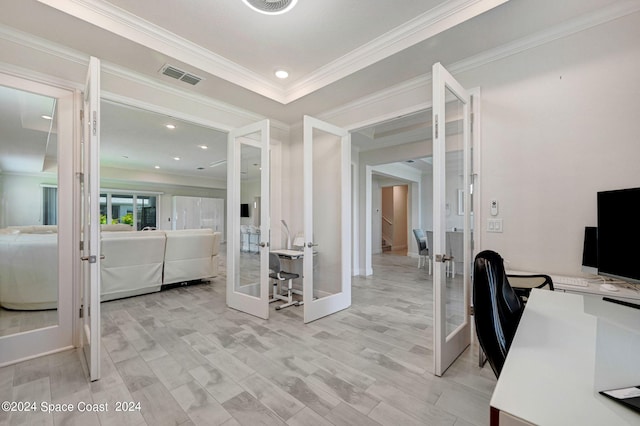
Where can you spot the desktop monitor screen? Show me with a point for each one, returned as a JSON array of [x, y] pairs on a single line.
[[590, 250], [619, 234]]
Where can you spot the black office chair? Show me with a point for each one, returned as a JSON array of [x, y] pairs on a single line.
[[279, 276], [497, 308]]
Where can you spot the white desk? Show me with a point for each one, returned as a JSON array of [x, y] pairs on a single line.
[[549, 374], [289, 254], [628, 292]]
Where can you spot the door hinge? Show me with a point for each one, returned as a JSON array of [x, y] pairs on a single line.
[[95, 122], [81, 313], [81, 115], [471, 310], [89, 311], [81, 245], [436, 124]]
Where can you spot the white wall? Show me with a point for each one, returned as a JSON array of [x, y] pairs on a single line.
[[22, 198], [559, 123]]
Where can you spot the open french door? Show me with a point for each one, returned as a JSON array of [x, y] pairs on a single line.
[[451, 148], [90, 222], [248, 178], [327, 219]]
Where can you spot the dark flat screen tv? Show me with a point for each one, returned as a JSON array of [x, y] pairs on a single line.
[[244, 210], [619, 234]]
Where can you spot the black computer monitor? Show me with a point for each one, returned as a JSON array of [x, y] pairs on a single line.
[[590, 250], [619, 234]]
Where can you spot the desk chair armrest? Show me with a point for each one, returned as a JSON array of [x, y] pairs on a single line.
[[522, 284]]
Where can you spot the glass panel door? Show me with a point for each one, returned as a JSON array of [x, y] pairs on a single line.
[[248, 235], [327, 219], [36, 220], [451, 214], [90, 223]]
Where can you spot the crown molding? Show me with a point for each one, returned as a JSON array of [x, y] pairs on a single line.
[[70, 55], [441, 18], [131, 27], [615, 11]]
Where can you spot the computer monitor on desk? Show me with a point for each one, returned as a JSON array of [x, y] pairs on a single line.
[[590, 250], [618, 234]]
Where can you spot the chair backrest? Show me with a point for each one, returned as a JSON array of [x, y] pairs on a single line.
[[421, 240], [455, 245], [497, 308], [274, 262], [430, 240]]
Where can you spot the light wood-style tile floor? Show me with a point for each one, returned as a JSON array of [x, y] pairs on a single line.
[[188, 359]]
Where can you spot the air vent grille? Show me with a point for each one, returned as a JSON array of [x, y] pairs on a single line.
[[178, 74]]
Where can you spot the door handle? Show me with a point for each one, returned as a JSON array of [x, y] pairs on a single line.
[[443, 258], [310, 244], [263, 245], [91, 259]]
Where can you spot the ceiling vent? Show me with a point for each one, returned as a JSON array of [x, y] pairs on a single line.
[[271, 7], [178, 74]]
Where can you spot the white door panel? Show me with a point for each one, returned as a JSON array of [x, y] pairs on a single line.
[[36, 269], [248, 178], [451, 149], [91, 219], [327, 219]]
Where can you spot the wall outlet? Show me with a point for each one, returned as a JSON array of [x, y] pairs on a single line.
[[494, 225]]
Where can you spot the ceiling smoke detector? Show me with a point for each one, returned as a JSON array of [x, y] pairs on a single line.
[[177, 73], [271, 7]]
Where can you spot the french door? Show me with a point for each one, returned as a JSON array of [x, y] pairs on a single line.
[[327, 219], [248, 178], [90, 220], [36, 255], [451, 149]]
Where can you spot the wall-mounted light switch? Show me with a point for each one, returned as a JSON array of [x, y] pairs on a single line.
[[494, 225]]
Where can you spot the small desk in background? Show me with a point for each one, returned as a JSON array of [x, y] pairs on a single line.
[[289, 254], [292, 256]]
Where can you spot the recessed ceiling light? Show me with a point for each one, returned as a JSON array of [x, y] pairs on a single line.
[[271, 7], [156, 167], [171, 126], [46, 117], [200, 168], [282, 74], [125, 156], [176, 158], [203, 147]]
